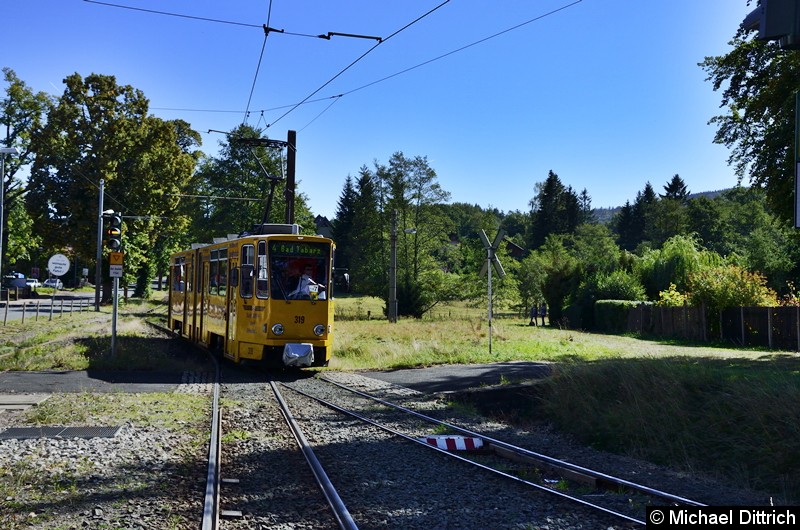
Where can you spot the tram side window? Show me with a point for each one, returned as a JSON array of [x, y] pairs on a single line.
[[223, 271], [218, 272], [213, 276], [246, 285], [178, 275], [262, 285]]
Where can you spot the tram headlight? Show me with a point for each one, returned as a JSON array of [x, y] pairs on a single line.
[[319, 329], [277, 329]]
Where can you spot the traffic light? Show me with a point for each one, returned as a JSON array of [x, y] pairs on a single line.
[[776, 20], [114, 232]]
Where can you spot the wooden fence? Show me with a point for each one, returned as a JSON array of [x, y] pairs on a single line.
[[685, 322], [767, 327]]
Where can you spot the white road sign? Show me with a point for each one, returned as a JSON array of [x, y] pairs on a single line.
[[58, 264]]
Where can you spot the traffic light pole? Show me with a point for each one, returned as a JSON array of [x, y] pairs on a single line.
[[114, 318], [98, 269]]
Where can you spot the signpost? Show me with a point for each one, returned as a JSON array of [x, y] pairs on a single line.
[[492, 263], [115, 260], [58, 265]]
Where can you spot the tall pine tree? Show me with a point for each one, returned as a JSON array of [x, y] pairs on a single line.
[[676, 189], [556, 209], [368, 274], [344, 223]]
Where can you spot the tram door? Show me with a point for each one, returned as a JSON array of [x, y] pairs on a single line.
[[202, 309], [188, 300], [233, 298]]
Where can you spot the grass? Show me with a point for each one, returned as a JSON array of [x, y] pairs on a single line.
[[735, 418], [82, 341], [698, 408], [165, 410]]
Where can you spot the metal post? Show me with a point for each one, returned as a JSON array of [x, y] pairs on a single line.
[[492, 262], [53, 299], [2, 209], [98, 268], [489, 273], [291, 156], [392, 308], [3, 152], [114, 318]]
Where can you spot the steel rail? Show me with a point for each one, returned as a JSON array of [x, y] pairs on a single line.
[[468, 461], [211, 500], [343, 516], [526, 452], [211, 497]]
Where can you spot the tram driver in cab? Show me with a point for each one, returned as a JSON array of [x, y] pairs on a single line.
[[307, 288]]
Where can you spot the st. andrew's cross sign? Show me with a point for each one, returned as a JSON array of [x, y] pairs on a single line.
[[491, 253]]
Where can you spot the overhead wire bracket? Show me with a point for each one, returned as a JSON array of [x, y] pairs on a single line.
[[268, 29], [353, 35]]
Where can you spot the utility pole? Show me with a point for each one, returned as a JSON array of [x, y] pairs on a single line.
[[98, 268], [291, 156], [392, 308]]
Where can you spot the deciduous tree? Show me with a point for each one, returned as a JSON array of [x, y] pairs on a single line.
[[101, 130], [22, 112], [758, 82]]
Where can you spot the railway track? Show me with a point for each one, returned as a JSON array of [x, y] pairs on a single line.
[[375, 465], [267, 475]]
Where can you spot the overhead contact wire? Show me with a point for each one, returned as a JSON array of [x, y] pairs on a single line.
[[346, 68], [457, 50], [173, 14], [336, 97], [260, 58]]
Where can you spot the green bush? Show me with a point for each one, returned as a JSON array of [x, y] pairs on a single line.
[[617, 285], [611, 316]]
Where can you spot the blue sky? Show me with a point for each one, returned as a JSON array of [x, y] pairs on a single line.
[[606, 93]]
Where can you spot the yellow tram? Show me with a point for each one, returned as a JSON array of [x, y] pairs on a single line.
[[265, 298]]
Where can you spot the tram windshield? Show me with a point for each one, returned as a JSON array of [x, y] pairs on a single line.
[[299, 270]]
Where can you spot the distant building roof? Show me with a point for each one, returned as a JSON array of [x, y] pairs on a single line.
[[514, 250], [324, 226]]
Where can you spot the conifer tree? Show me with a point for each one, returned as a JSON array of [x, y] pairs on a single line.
[[624, 223], [585, 203], [676, 189], [344, 223], [556, 209], [368, 272]]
